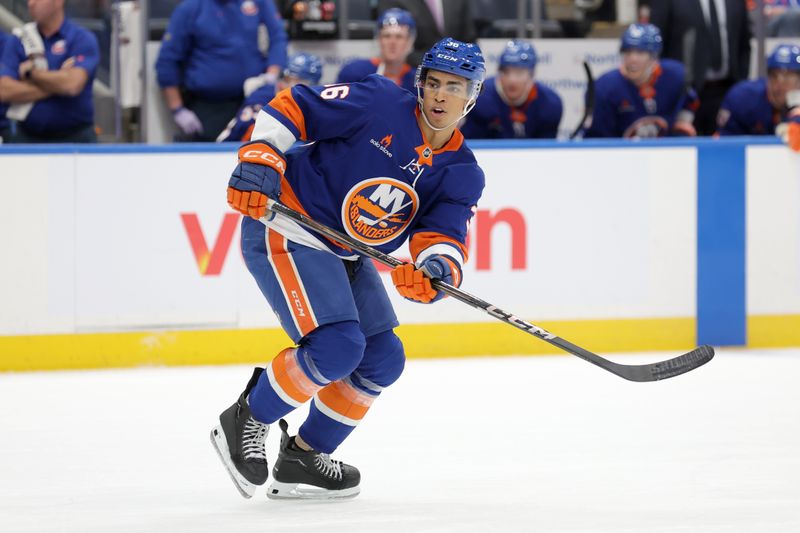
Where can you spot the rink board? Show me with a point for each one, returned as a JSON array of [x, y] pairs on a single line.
[[129, 255]]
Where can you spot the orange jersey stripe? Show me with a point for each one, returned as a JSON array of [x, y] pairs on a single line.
[[284, 103], [426, 239], [345, 400], [290, 282], [291, 378]]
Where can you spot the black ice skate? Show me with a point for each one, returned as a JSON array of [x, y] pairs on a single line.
[[239, 441], [310, 475]]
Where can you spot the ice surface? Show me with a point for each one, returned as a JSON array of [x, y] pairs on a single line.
[[546, 444]]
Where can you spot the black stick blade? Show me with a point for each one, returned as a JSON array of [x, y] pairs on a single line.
[[682, 364]]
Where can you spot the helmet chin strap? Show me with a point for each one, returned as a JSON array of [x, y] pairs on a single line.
[[467, 108]]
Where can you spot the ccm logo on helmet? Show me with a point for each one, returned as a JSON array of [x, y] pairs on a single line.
[[271, 159]]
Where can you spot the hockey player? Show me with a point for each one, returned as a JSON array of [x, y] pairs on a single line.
[[513, 104], [768, 105], [302, 68], [646, 97], [385, 166], [395, 33]]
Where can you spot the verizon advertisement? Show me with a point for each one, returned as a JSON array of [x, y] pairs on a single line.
[[131, 241]]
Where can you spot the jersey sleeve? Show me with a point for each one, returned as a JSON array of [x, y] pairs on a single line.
[[604, 116], [551, 117], [175, 47], [86, 52], [730, 119], [12, 56], [319, 113], [442, 230]]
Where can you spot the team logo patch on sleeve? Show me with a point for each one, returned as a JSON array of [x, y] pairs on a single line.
[[249, 8], [378, 210]]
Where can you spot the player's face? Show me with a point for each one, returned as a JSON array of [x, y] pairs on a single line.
[[395, 43], [516, 81], [42, 10], [444, 96], [637, 65], [780, 82]]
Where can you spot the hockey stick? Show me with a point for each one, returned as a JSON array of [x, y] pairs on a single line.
[[588, 105], [649, 372]]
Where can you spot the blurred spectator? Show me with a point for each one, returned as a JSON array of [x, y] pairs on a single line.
[[46, 74], [783, 17], [310, 19], [213, 53], [513, 104], [395, 35], [5, 125], [646, 97], [767, 105], [712, 38], [436, 19], [303, 69]]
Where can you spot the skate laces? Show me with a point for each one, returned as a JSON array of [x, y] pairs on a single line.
[[328, 467], [253, 437]]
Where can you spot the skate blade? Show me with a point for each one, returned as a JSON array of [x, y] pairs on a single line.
[[220, 443], [296, 491]]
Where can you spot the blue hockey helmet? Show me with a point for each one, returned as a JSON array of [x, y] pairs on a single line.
[[304, 66], [645, 37], [455, 57], [396, 17], [518, 53], [785, 56]]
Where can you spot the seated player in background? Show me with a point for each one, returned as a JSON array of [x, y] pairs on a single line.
[[513, 104], [767, 106], [646, 97], [395, 34], [303, 69], [386, 166]]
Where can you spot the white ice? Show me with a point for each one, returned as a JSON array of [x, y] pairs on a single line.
[[545, 444]]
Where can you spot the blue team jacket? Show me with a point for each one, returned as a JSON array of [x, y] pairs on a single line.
[[4, 40], [211, 46], [58, 114]]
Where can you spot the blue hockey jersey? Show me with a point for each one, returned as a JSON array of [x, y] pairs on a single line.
[[358, 69], [621, 109], [493, 118], [746, 110], [241, 126], [370, 173]]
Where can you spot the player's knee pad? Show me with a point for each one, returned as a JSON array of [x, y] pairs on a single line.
[[384, 359], [334, 350]]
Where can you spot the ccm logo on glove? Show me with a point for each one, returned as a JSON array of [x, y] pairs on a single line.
[[256, 178]]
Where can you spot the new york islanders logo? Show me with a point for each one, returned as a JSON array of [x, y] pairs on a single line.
[[377, 210], [249, 8]]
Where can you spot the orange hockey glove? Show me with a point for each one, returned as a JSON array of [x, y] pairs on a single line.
[[415, 283], [256, 177]]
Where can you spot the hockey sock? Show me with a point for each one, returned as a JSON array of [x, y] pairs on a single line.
[[288, 382], [336, 411]]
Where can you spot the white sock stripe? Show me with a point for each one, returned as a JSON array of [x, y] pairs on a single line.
[[367, 384], [279, 390], [313, 368], [333, 415]]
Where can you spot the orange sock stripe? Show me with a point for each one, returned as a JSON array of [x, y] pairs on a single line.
[[344, 399], [285, 104], [293, 290], [291, 378]]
